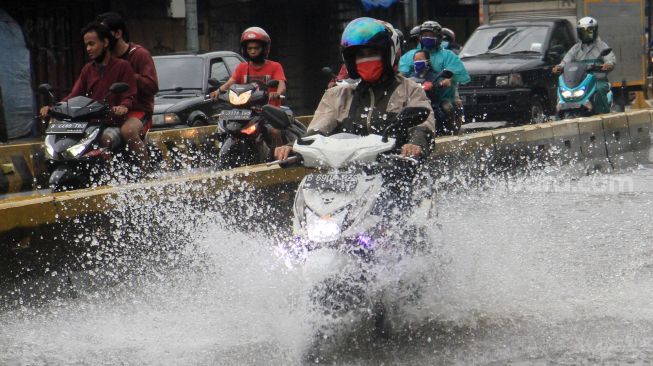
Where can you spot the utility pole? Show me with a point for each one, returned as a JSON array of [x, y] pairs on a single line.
[[192, 39]]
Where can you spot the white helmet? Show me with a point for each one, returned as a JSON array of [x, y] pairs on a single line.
[[395, 50], [587, 29]]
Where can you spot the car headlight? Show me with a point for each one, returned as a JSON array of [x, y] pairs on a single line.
[[171, 119], [566, 93], [579, 93], [326, 228], [49, 146], [236, 99], [513, 79], [78, 149]]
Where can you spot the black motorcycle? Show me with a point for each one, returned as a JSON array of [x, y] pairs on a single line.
[[72, 140], [243, 130]]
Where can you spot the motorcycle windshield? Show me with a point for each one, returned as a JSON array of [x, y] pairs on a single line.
[[575, 73], [78, 107]]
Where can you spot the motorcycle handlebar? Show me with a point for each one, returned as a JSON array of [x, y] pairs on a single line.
[[404, 158]]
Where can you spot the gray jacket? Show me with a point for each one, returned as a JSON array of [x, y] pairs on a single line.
[[336, 102], [592, 51]]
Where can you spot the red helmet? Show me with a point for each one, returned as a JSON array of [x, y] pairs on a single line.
[[255, 34]]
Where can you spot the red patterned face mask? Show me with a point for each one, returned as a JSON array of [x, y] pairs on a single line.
[[369, 68]]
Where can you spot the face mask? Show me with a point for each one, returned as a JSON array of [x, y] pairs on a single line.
[[445, 45], [429, 42], [258, 59], [370, 68], [420, 66]]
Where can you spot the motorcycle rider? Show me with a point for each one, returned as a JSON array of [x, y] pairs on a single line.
[[413, 37], [449, 41], [139, 119], [440, 59], [255, 47], [445, 113], [99, 74], [369, 52], [588, 50]]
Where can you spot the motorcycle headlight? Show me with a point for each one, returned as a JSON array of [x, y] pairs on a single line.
[[326, 228], [49, 146], [579, 93], [566, 93], [236, 99], [78, 149]]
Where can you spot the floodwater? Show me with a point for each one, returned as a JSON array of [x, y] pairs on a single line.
[[542, 270]]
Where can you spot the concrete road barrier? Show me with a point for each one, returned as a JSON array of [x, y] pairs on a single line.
[[617, 140], [566, 143], [639, 127], [511, 149], [592, 144]]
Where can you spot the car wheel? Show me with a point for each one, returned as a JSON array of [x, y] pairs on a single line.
[[198, 122], [537, 114]]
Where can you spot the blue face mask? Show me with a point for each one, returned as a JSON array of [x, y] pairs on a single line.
[[429, 42], [445, 45], [420, 66]]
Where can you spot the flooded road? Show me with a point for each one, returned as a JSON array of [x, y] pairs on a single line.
[[541, 270]]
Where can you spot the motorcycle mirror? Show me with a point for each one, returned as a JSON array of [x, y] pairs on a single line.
[[606, 51], [446, 74], [214, 82], [118, 88], [45, 89], [328, 71], [272, 83], [276, 116]]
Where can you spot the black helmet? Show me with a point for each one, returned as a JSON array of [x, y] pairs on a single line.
[[448, 35], [414, 32], [367, 32], [587, 29]]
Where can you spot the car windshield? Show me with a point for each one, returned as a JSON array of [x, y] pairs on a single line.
[[505, 41], [179, 72]]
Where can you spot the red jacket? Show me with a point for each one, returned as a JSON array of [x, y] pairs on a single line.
[[147, 81], [95, 80]]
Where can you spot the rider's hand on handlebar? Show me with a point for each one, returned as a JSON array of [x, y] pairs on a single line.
[[274, 95], [607, 67], [44, 111], [557, 69], [410, 150], [282, 152], [214, 95], [119, 110], [445, 83]]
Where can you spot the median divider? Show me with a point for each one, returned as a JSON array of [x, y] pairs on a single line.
[[592, 144], [460, 159], [617, 140], [639, 126], [566, 143]]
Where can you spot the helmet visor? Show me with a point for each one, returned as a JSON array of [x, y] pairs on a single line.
[[359, 32], [586, 34]]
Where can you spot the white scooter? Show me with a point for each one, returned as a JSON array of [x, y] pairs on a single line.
[[342, 210]]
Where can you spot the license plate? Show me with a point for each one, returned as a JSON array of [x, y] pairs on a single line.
[[236, 114], [331, 182], [66, 128]]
